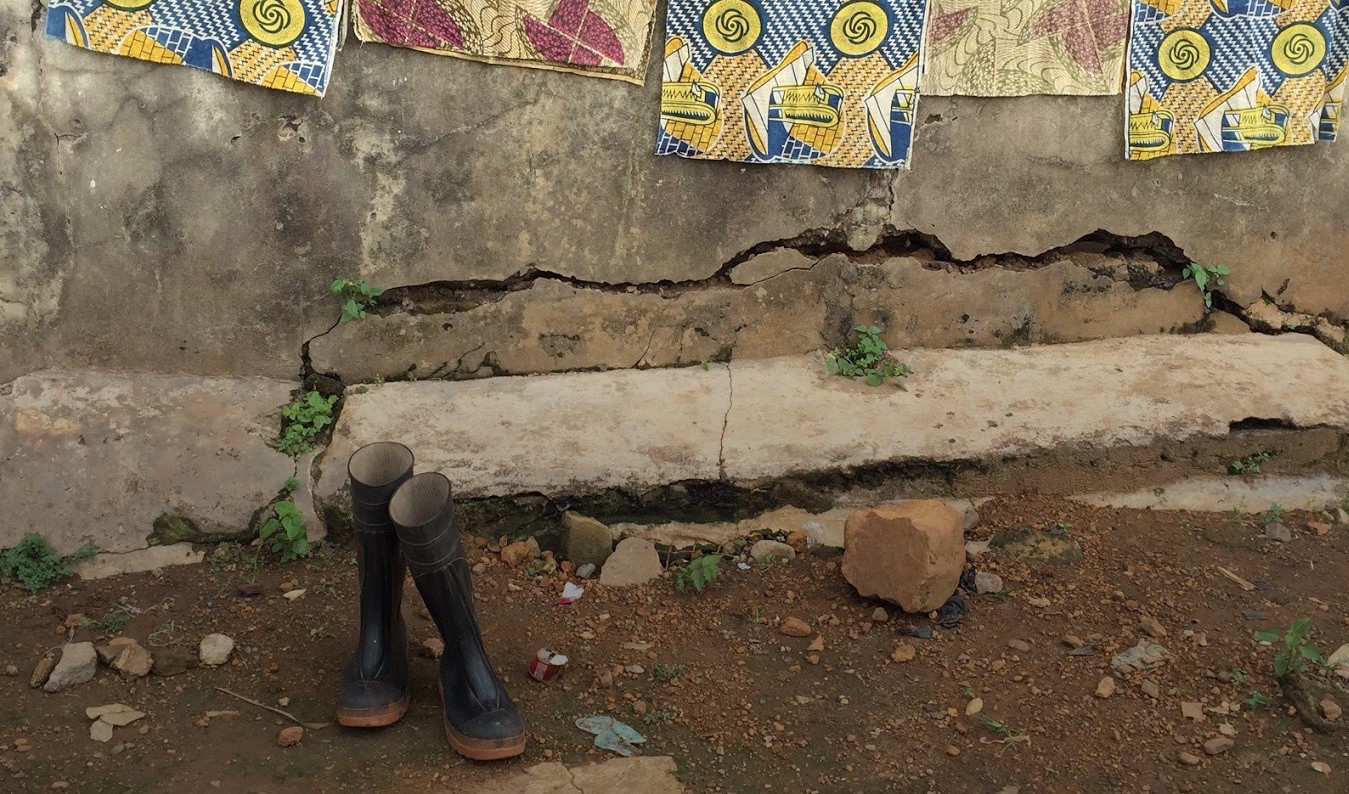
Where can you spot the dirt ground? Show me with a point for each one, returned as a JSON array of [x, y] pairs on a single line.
[[745, 708]]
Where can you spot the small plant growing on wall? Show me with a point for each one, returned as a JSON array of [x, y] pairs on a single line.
[[357, 297], [867, 359], [699, 573], [283, 532], [34, 564], [1206, 278], [304, 419]]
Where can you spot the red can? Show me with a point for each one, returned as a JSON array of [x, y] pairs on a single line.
[[546, 665]]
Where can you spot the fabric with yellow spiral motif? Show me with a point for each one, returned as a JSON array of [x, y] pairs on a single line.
[[859, 28], [275, 23], [1298, 49], [1184, 54], [732, 26]]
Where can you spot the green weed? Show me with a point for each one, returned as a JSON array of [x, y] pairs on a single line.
[[867, 359], [657, 717], [304, 419], [665, 673], [1238, 675], [34, 564], [1255, 700], [1297, 650], [699, 573], [1249, 464], [284, 533], [357, 297], [1206, 278], [1272, 515]]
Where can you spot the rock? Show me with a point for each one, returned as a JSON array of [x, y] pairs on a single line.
[[1341, 516], [817, 644], [1190, 759], [11, 670], [794, 627], [1151, 690], [520, 552], [974, 707], [585, 570], [633, 562], [1276, 530], [44, 668], [1218, 745], [215, 649], [986, 583], [1339, 661], [290, 736], [110, 650], [1330, 709], [1105, 688], [433, 647], [1020, 646], [903, 652], [975, 548], [799, 541], [952, 750], [134, 661], [114, 714], [764, 552], [479, 568], [1192, 711], [77, 665], [174, 661], [879, 615], [1039, 602], [1227, 729], [1152, 627], [588, 540], [910, 553], [100, 731], [1073, 641]]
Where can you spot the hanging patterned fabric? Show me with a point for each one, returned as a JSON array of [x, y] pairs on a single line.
[[601, 38], [1234, 75], [824, 82], [996, 48], [283, 44]]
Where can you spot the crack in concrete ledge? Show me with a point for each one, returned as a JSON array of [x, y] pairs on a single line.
[[726, 421]]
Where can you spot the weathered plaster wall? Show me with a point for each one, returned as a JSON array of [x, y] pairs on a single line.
[[160, 219]]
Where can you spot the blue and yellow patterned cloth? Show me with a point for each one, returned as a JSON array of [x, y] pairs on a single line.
[[1234, 75], [283, 44], [824, 82]]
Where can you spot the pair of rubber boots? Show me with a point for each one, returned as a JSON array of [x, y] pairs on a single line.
[[406, 522]]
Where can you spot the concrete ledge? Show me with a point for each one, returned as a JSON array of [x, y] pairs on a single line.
[[99, 456], [1224, 494], [755, 421]]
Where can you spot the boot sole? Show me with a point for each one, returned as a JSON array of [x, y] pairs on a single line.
[[480, 749], [376, 717]]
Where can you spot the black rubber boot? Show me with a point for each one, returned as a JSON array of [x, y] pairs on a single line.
[[481, 722], [375, 688]]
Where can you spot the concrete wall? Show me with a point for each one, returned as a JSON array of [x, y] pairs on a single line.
[[160, 219]]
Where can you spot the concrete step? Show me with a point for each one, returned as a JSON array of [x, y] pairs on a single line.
[[1071, 418]]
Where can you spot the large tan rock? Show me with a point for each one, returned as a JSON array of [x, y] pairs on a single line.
[[909, 553]]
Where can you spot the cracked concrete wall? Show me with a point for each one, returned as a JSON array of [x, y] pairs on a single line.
[[161, 219]]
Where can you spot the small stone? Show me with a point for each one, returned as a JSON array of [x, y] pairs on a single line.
[[59, 785], [283, 702], [635, 669], [974, 707], [100, 731], [109, 651], [799, 541], [478, 568], [1276, 530], [1218, 745], [588, 540], [903, 652], [817, 644], [1227, 729], [1322, 767], [975, 548], [1330, 709], [879, 615], [215, 649], [1192, 711], [11, 670], [77, 665], [1105, 688], [764, 552], [1190, 759], [114, 714], [986, 583], [134, 661], [515, 554], [174, 661], [44, 668], [795, 627], [952, 750], [585, 570], [290, 736], [1152, 627], [1021, 646], [1073, 641], [1151, 690], [433, 647], [1321, 528], [1039, 602]]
